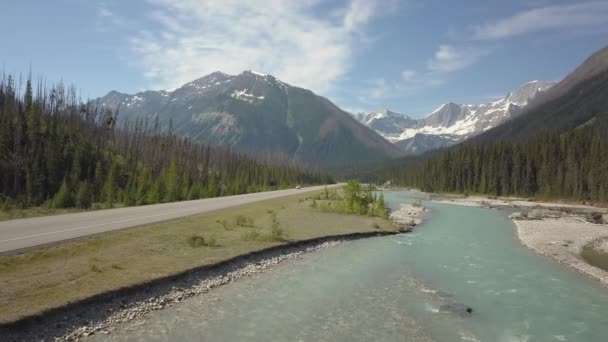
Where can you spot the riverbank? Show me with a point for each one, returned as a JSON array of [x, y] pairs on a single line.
[[44, 279], [103, 313], [563, 240], [557, 230]]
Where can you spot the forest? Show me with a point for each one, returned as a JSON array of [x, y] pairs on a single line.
[[58, 151], [571, 165]]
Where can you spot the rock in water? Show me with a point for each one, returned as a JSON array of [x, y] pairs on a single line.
[[596, 218], [459, 309]]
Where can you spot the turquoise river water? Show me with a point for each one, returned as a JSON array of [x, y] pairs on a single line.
[[411, 287]]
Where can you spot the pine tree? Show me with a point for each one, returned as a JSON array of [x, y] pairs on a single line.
[[63, 198], [83, 196], [110, 188], [172, 182]]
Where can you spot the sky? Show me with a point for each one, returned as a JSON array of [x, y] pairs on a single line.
[[405, 55]]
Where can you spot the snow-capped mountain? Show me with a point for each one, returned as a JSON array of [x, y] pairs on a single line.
[[259, 114], [451, 122], [386, 122]]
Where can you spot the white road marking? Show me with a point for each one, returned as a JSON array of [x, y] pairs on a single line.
[[97, 225]]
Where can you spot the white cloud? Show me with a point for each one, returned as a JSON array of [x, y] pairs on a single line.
[[358, 13], [449, 58], [408, 74], [103, 11], [380, 89], [281, 37], [454, 57], [572, 16], [108, 20]]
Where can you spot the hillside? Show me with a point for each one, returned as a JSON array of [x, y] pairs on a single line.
[[60, 153], [258, 114], [555, 149], [580, 98]]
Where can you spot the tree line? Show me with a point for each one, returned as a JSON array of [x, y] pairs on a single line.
[[59, 151], [571, 165]]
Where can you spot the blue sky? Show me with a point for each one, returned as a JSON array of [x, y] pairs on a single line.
[[409, 56]]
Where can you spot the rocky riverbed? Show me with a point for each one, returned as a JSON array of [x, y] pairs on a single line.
[[407, 217], [562, 239], [101, 315]]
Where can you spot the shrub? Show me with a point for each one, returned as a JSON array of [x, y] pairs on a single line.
[[5, 205], [244, 221], [224, 224], [63, 197], [277, 231], [211, 242], [196, 241], [241, 220], [97, 206], [251, 235], [83, 196]]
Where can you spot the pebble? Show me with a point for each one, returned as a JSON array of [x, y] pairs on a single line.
[[125, 312]]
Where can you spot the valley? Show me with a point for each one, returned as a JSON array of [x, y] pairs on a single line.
[[394, 171]]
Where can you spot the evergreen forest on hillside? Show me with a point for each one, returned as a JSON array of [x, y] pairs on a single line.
[[58, 151], [572, 165]]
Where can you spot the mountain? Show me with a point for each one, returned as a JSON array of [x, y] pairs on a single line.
[[581, 98], [421, 143], [386, 122], [259, 114], [555, 148], [451, 122]]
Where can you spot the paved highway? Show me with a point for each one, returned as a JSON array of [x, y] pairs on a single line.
[[27, 233]]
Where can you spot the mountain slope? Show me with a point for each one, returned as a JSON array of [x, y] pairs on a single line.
[[580, 98], [386, 122], [257, 113], [556, 148], [451, 122]]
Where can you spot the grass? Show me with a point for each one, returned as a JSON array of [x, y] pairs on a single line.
[[12, 214], [55, 275], [595, 257]]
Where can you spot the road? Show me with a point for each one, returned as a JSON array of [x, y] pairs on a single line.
[[21, 234]]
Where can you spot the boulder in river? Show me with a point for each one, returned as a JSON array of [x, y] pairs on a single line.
[[596, 218], [516, 216], [459, 309], [407, 217], [406, 228]]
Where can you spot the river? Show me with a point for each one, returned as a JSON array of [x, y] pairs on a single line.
[[411, 287]]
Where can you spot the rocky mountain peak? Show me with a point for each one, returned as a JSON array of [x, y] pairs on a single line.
[[451, 122], [528, 91], [257, 113]]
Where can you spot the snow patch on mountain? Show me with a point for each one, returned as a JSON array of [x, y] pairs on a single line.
[[243, 95], [451, 122]]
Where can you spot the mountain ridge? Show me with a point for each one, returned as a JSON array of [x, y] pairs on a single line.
[[577, 100], [258, 113], [451, 123]]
